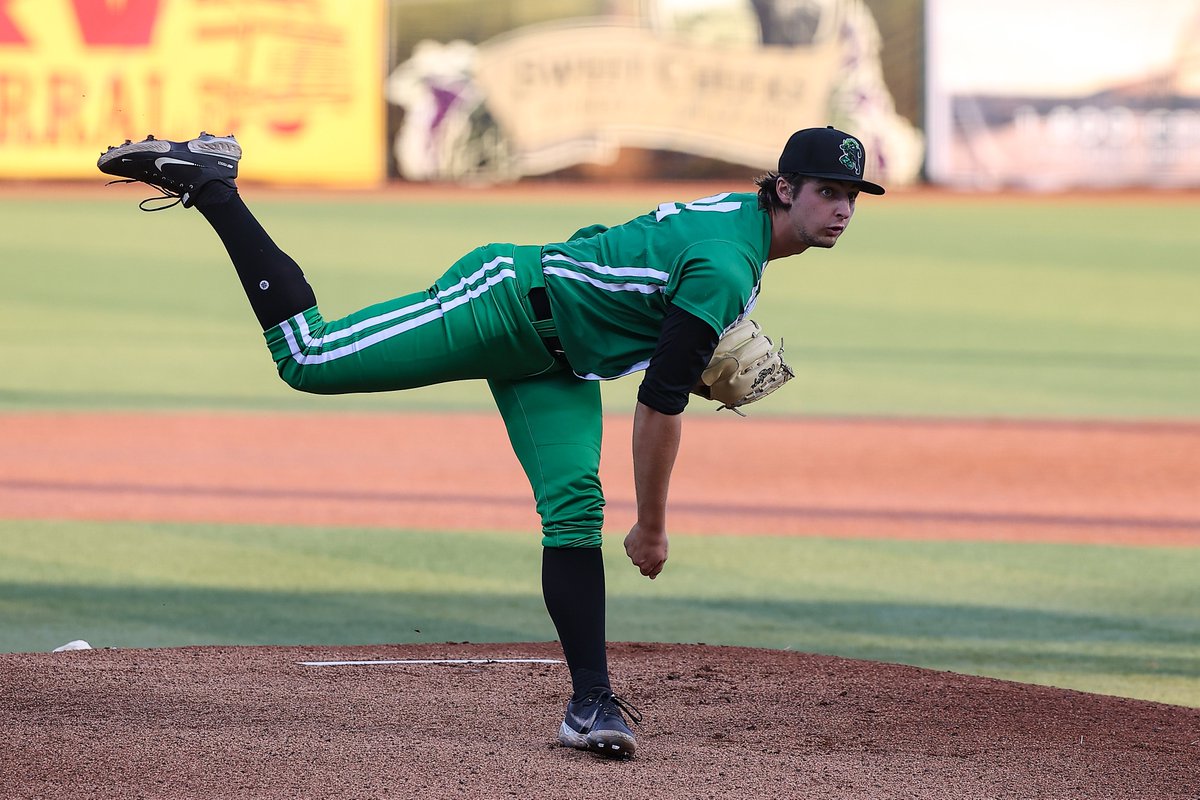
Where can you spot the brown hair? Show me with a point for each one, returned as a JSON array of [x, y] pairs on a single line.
[[768, 196]]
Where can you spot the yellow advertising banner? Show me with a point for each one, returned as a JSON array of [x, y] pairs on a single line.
[[298, 81]]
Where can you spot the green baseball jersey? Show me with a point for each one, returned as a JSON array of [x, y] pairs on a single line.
[[610, 287]]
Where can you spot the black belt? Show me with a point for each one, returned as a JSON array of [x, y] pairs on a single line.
[[540, 304]]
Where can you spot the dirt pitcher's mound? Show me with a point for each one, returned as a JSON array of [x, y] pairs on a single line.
[[255, 722]]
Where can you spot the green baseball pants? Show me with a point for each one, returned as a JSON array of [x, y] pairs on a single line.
[[474, 323]]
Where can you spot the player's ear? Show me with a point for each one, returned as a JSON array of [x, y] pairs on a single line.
[[784, 190]]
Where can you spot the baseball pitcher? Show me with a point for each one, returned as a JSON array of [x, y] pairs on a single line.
[[667, 294]]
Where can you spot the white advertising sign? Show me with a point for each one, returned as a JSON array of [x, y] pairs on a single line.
[[1072, 94]]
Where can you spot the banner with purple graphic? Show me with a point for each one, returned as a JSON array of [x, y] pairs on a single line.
[[725, 80]]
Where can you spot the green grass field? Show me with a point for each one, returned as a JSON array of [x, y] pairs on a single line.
[[948, 307], [1012, 308], [1114, 620]]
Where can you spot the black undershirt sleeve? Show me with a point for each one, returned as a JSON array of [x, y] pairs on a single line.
[[685, 346]]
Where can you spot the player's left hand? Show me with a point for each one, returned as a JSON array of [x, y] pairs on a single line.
[[647, 549], [744, 368]]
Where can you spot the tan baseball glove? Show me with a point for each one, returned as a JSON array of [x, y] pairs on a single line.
[[743, 368]]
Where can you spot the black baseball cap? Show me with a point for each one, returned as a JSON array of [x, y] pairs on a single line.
[[827, 153]]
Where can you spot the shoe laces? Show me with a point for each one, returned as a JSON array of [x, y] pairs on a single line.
[[175, 199], [609, 701]]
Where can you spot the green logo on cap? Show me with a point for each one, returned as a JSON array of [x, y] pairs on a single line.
[[852, 156]]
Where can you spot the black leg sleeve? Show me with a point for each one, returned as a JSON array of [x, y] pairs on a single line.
[[573, 586], [273, 282]]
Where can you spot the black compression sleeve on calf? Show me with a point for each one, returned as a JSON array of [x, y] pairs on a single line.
[[273, 282], [573, 586], [685, 346]]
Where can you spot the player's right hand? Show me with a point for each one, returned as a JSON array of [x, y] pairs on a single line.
[[647, 549]]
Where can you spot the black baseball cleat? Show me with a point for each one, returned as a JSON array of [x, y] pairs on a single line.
[[596, 722], [177, 169]]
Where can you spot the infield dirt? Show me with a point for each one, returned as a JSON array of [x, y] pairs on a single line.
[[1099, 482], [720, 722]]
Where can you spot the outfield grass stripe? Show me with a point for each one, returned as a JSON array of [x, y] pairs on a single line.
[[1089, 312], [1106, 619], [1048, 359]]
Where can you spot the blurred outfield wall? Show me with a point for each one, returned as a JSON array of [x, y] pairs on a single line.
[[491, 90], [1079, 93]]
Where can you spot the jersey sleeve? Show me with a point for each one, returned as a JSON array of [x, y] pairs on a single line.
[[684, 349], [714, 281], [588, 232]]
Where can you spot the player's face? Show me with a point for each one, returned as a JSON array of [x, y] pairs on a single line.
[[820, 211]]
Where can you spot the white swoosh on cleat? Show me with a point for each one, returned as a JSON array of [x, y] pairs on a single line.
[[158, 162]]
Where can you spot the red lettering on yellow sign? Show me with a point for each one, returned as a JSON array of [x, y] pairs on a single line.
[[127, 23], [71, 108], [9, 33], [64, 108], [15, 101]]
